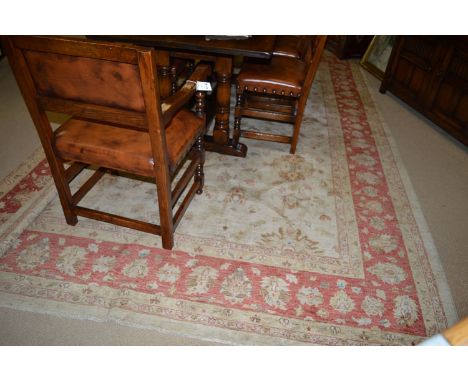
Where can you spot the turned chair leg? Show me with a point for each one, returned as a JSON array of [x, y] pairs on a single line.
[[237, 119], [173, 76], [296, 131], [199, 174]]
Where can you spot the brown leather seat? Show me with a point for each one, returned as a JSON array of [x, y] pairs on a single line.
[[117, 122], [283, 75], [277, 91], [125, 149]]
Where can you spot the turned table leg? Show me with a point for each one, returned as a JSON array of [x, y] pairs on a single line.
[[223, 69], [164, 71], [220, 141]]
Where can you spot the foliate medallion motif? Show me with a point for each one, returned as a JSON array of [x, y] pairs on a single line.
[[373, 306], [364, 160], [374, 206], [136, 269], [168, 273], [275, 292], [405, 310], [236, 195], [104, 264], [384, 243], [201, 279], [71, 259], [378, 223], [236, 287], [293, 168], [34, 255], [342, 302], [368, 178], [310, 296], [390, 273], [370, 191], [359, 143], [291, 236]]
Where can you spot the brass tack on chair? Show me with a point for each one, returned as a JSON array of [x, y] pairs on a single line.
[[255, 89], [264, 90], [274, 91], [291, 93], [282, 92], [246, 87]]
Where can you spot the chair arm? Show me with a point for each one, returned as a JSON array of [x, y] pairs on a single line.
[[172, 104]]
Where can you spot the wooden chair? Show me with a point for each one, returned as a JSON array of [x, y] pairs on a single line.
[[117, 121], [277, 91], [291, 46]]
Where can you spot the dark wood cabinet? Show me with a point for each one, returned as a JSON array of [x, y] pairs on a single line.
[[2, 52], [348, 46], [430, 73]]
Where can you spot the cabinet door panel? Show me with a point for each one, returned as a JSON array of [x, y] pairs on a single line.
[[452, 103], [430, 73], [418, 81], [461, 112], [450, 96], [413, 71]]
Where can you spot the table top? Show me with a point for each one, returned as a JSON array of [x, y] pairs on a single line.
[[253, 46]]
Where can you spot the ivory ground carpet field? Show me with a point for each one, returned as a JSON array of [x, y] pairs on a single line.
[[325, 247]]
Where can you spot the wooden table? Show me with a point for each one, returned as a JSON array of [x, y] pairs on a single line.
[[221, 53]]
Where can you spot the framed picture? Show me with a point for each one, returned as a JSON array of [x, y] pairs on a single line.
[[377, 54]]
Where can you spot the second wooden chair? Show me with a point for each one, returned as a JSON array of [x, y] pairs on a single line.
[[277, 91]]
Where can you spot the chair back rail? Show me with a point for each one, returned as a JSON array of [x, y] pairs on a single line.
[[73, 46], [112, 115]]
